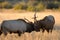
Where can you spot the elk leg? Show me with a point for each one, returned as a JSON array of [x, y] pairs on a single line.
[[47, 30], [51, 30], [10, 32], [0, 32], [43, 30], [19, 33], [5, 32]]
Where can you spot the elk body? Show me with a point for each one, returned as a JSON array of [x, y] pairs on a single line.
[[47, 23], [16, 26]]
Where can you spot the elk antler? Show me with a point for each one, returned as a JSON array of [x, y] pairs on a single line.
[[35, 16], [26, 19]]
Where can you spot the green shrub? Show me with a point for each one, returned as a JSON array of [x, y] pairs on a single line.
[[30, 8], [40, 7], [53, 5], [2, 1], [20, 6], [0, 5], [5, 5], [17, 6]]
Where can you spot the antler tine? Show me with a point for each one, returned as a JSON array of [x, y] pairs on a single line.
[[35, 16], [26, 19]]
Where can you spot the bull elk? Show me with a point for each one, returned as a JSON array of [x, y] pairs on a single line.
[[16, 26]]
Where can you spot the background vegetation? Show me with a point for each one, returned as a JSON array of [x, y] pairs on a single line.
[[30, 5]]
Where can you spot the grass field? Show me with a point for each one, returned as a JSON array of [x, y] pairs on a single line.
[[55, 35]]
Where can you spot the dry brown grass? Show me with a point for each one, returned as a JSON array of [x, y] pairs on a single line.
[[55, 35]]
